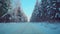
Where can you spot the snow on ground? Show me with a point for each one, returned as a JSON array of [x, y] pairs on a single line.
[[29, 28]]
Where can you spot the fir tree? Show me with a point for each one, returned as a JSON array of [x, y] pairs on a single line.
[[4, 7], [48, 11]]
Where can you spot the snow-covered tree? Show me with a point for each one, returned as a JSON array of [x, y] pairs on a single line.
[[11, 11], [48, 11], [35, 12], [4, 7], [53, 12], [39, 11]]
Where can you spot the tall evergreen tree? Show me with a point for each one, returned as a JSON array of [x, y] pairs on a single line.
[[35, 12], [38, 13], [4, 7], [49, 11], [53, 11], [18, 15], [11, 13]]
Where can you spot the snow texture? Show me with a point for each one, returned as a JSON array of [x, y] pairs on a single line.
[[30, 28]]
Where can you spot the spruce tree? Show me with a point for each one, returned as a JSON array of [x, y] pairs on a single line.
[[35, 12], [4, 7], [49, 11], [18, 15], [11, 13]]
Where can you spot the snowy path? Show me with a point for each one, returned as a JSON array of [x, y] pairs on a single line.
[[29, 28]]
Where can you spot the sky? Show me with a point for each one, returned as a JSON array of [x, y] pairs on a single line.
[[28, 7]]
